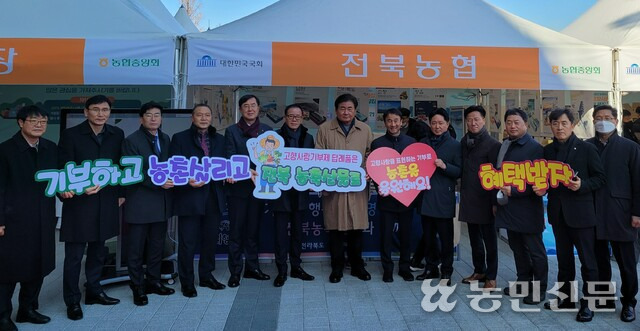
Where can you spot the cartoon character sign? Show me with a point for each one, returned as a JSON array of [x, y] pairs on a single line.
[[269, 156]]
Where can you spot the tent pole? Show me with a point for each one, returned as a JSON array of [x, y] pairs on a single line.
[[617, 93]]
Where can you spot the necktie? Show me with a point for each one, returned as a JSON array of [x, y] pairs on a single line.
[[156, 144], [204, 145]]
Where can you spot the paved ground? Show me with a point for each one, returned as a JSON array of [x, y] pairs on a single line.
[[351, 304]]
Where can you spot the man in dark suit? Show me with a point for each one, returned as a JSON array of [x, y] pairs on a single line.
[[92, 217], [292, 204], [476, 204], [522, 213], [617, 207], [439, 203], [27, 218], [147, 207], [199, 206], [245, 211], [391, 210], [571, 208]]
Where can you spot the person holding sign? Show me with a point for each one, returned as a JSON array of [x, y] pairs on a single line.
[[147, 207], [199, 206], [345, 213], [476, 204], [27, 218], [439, 203], [571, 208], [617, 226], [391, 210], [244, 209], [521, 213], [291, 206], [90, 218]]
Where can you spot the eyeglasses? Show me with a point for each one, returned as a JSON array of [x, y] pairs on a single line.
[[97, 110], [294, 117], [35, 122]]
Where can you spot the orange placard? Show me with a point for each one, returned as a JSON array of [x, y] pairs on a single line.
[[310, 64], [41, 61]]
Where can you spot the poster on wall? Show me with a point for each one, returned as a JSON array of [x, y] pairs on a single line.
[[582, 104], [550, 100], [494, 113], [425, 100], [529, 104], [311, 100]]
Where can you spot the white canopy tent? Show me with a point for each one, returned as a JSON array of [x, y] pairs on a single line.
[[561, 62], [614, 23], [183, 18], [91, 42]]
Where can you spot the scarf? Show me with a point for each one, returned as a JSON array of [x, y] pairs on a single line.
[[472, 138], [347, 128], [250, 131]]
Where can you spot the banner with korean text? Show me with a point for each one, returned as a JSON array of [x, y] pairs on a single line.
[[86, 61]]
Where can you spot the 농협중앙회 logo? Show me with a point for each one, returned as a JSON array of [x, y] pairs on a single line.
[[633, 69], [128, 62], [206, 61], [579, 70]]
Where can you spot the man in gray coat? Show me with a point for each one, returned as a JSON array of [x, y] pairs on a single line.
[[147, 207]]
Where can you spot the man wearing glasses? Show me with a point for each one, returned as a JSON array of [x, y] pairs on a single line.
[[292, 204], [92, 217], [27, 218]]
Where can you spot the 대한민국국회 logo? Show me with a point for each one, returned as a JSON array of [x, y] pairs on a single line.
[[206, 61], [633, 69]]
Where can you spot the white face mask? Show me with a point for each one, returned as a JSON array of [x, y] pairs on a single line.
[[604, 126]]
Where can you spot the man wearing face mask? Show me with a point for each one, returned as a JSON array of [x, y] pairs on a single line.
[[617, 207], [627, 126], [571, 209]]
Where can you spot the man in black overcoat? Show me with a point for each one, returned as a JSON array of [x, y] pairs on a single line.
[[147, 207], [292, 205], [617, 207], [90, 218], [27, 217], [199, 206], [571, 209]]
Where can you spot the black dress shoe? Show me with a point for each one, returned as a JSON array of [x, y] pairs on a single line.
[[361, 273], [74, 312], [31, 316], [158, 288], [256, 274], [416, 266], [562, 304], [101, 299], [446, 278], [212, 283], [234, 281], [335, 277], [301, 274], [428, 274], [628, 313], [189, 292], [139, 296], [407, 276], [6, 324], [584, 314], [387, 277], [279, 281]]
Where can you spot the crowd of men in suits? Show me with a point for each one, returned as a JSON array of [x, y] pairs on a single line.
[[597, 212]]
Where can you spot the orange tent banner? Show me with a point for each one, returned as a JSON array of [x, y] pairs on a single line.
[[313, 64], [41, 61]]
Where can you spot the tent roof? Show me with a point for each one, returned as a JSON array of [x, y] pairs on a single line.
[[400, 22], [615, 23], [121, 19], [183, 18]]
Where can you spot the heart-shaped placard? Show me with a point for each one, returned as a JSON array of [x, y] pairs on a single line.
[[404, 175]]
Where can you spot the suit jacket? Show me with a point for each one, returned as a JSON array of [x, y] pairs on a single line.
[[187, 200], [398, 143], [577, 208], [476, 204], [619, 198], [524, 212], [27, 248], [285, 202], [440, 200], [236, 144], [146, 202], [87, 218]]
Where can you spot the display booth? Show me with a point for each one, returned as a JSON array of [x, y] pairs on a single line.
[[412, 53]]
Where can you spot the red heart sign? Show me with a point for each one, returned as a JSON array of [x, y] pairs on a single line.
[[402, 175]]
